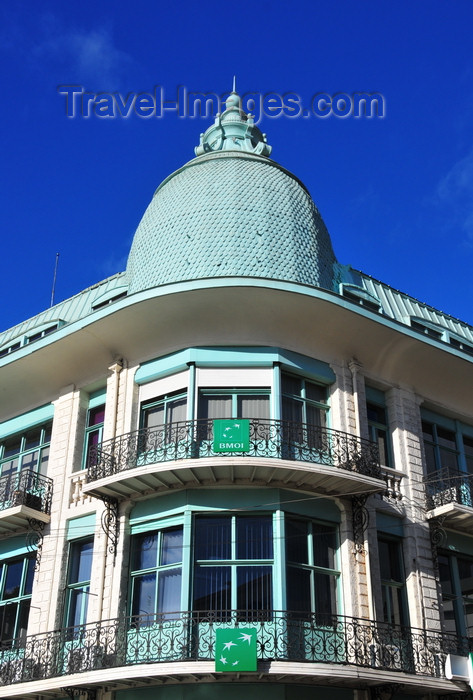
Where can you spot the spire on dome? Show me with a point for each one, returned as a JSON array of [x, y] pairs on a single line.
[[234, 130]]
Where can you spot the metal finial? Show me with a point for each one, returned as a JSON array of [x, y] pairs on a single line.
[[234, 83]]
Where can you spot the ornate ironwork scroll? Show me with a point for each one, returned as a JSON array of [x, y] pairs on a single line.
[[360, 517], [438, 538], [110, 523], [34, 539]]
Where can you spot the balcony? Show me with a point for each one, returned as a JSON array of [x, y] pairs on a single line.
[[24, 495], [280, 454], [449, 494], [190, 637]]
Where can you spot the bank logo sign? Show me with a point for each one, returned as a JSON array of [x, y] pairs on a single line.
[[232, 435], [235, 650]]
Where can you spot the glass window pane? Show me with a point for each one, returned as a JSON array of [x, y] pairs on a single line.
[[32, 439], [29, 577], [176, 411], [298, 590], [153, 417], [254, 588], [315, 416], [446, 438], [253, 406], [22, 621], [448, 460], [7, 621], [255, 537], [30, 460], [78, 606], [96, 416], [169, 591], [296, 541], [212, 588], [12, 446], [292, 410], [325, 594], [13, 580], [43, 465], [449, 616], [325, 544], [430, 457], [171, 547], [144, 595], [315, 392], [212, 538], [215, 406], [376, 414], [465, 571], [291, 385], [145, 551], [81, 562]]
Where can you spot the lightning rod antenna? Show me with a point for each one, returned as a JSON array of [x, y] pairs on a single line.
[[54, 280], [234, 83]]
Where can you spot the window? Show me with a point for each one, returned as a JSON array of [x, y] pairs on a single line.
[[9, 349], [233, 565], [428, 329], [28, 450], [78, 582], [440, 447], [16, 583], [41, 334], [456, 580], [93, 434], [361, 296], [392, 581], [234, 403], [312, 568], [164, 411], [378, 431], [303, 401], [461, 345], [156, 575]]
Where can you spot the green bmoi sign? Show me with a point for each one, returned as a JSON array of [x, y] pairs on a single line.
[[232, 435], [235, 650]]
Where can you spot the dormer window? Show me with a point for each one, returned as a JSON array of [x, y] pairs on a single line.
[[461, 345], [426, 328], [360, 296]]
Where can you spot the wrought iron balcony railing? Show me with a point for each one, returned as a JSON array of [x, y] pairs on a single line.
[[449, 486], [268, 438], [27, 488], [187, 636]]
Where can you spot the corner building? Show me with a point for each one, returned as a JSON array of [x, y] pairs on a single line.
[[237, 433]]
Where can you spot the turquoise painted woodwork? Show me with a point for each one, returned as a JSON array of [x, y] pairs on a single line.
[[27, 420], [234, 357]]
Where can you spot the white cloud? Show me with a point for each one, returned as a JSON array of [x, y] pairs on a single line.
[[86, 56], [456, 191]]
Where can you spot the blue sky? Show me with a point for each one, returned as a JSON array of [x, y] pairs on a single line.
[[396, 193]]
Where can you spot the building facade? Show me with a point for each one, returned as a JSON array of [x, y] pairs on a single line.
[[237, 433]]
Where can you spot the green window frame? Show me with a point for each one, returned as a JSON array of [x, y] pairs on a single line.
[[379, 431], [440, 447], [233, 565], [234, 403], [303, 401], [313, 574], [26, 450], [16, 585], [456, 582], [79, 572], [156, 575], [393, 581], [93, 434], [164, 410]]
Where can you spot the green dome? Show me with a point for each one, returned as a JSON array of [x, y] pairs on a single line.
[[231, 213]]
